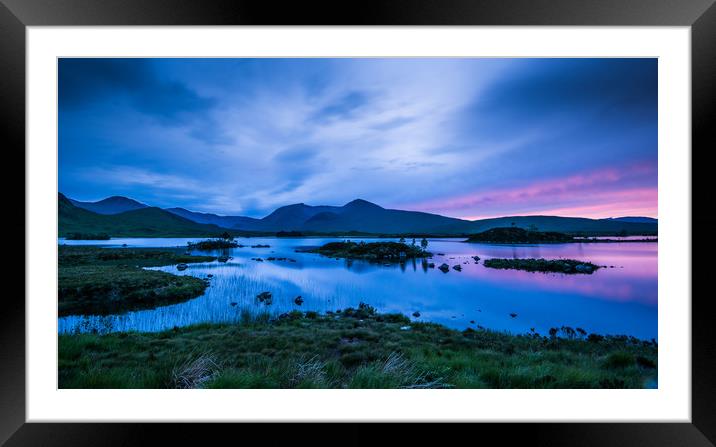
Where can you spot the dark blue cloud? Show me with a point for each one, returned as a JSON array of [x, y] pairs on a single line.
[[84, 82], [536, 88]]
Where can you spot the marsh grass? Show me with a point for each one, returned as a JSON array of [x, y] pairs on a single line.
[[94, 280], [354, 349]]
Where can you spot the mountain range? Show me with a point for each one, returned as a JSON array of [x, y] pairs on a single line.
[[122, 216], [142, 222]]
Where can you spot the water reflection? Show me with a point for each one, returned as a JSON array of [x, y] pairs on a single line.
[[618, 299]]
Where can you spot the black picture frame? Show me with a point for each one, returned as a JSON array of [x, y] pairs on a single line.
[[700, 15]]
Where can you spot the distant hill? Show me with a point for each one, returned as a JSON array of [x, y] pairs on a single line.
[[514, 235], [291, 217], [144, 222], [110, 205], [215, 219], [635, 219], [572, 225], [358, 216], [361, 215]]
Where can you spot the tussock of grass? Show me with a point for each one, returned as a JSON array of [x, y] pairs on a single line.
[[357, 348], [195, 371], [310, 373]]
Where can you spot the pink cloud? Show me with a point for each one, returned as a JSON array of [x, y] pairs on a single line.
[[596, 194]]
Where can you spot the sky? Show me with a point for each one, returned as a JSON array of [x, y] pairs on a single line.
[[466, 138]]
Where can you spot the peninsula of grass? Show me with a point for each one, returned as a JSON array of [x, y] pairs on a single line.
[[371, 251], [516, 235], [568, 266], [356, 348], [97, 281]]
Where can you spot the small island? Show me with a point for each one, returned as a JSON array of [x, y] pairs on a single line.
[[371, 251], [226, 240], [212, 244], [516, 235], [568, 266]]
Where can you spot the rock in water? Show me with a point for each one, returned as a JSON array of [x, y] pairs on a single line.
[[457, 267], [444, 268], [182, 266], [265, 297], [583, 268]]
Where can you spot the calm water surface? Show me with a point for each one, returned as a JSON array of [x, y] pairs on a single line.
[[618, 300]]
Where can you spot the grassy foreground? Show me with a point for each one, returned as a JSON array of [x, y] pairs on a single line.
[[356, 348], [96, 280]]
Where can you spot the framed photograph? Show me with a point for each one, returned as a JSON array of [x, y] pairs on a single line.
[[453, 213]]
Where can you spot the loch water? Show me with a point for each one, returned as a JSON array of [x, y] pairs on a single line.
[[620, 298]]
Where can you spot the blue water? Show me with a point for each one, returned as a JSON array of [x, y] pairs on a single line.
[[618, 300]]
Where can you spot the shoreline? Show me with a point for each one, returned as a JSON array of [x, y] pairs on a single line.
[[62, 240]]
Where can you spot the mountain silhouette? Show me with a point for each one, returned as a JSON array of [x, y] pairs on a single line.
[[358, 215]]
